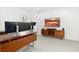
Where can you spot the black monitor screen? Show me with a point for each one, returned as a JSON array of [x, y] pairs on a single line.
[[24, 26], [10, 27]]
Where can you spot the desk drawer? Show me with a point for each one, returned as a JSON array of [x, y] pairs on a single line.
[[17, 44]]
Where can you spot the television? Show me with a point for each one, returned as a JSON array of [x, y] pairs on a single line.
[[12, 26], [52, 23]]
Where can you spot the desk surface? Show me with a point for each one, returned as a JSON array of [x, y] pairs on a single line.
[[10, 37]]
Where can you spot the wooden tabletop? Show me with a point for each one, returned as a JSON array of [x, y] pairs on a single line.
[[8, 37]]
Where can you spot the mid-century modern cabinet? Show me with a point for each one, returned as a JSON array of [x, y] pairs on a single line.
[[53, 33]]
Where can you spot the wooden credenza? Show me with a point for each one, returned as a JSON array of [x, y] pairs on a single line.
[[53, 33], [14, 43]]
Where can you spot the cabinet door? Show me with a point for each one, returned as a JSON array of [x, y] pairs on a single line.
[[51, 32], [44, 32], [59, 33]]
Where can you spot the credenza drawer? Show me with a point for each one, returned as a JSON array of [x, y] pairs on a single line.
[[17, 43]]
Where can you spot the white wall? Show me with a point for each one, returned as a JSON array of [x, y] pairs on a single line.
[[69, 20], [11, 14]]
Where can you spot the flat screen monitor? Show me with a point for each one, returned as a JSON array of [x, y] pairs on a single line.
[[23, 26], [12, 26]]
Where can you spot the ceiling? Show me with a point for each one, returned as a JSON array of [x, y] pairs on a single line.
[[37, 9]]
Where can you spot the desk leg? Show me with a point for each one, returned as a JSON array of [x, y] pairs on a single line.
[[32, 45]]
